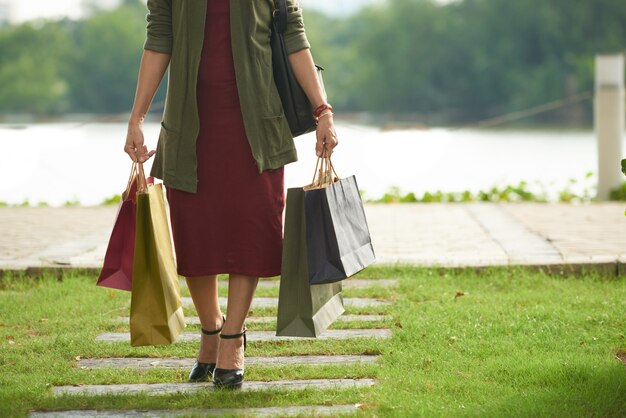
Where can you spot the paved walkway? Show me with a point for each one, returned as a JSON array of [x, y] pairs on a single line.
[[472, 234]]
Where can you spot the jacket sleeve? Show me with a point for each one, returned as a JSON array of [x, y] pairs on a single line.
[[295, 36], [159, 35]]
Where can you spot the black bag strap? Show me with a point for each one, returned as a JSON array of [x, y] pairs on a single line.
[[280, 15]]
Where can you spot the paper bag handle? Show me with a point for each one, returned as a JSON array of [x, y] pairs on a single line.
[[136, 170], [142, 185], [324, 174]]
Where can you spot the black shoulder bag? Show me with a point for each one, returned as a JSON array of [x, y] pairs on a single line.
[[297, 107]]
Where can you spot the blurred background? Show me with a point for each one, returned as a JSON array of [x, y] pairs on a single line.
[[434, 100]]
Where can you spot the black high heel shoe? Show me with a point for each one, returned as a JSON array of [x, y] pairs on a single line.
[[230, 378], [200, 371]]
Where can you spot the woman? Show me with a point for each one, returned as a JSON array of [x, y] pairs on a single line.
[[222, 147]]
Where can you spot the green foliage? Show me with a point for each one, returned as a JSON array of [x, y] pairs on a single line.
[[452, 63], [463, 61], [509, 193], [73, 66], [618, 193], [113, 200], [31, 68], [106, 60], [74, 202]]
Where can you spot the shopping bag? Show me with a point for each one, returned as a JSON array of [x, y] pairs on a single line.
[[338, 239], [117, 268], [304, 310], [156, 313]]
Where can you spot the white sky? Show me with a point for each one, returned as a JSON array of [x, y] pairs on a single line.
[[30, 9]]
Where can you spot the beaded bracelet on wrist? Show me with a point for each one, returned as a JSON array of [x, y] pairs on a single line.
[[321, 116]]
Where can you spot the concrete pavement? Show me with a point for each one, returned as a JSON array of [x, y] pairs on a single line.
[[433, 234]]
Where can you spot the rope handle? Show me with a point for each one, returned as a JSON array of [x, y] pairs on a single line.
[[324, 169], [129, 183], [142, 185], [136, 171]]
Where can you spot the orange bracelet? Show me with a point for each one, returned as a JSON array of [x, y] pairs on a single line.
[[317, 112]]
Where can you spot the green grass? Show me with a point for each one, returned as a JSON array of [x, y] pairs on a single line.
[[515, 344]]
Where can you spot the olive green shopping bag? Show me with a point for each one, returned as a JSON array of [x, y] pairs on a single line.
[[156, 312], [304, 310]]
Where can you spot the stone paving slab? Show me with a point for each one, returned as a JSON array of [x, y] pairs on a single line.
[[263, 302], [29, 231], [518, 242], [194, 320], [440, 234], [430, 234], [433, 234], [346, 284], [276, 411], [171, 388], [266, 335], [175, 363], [579, 232]]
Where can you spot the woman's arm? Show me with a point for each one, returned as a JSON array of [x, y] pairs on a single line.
[[151, 70], [154, 61], [305, 72], [303, 66]]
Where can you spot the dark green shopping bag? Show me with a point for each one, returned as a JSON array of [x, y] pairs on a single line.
[[304, 310]]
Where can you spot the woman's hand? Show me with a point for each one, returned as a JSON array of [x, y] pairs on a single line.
[[326, 134], [134, 146]]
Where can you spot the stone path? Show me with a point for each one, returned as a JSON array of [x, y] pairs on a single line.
[[187, 388], [261, 302], [437, 234], [155, 389], [351, 283], [176, 363], [577, 232], [481, 234], [518, 243], [286, 411], [194, 320], [330, 334], [35, 236]]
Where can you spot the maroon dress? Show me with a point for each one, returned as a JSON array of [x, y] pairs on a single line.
[[233, 224]]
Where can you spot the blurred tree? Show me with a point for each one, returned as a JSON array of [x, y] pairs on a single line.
[[106, 59], [31, 65], [445, 64]]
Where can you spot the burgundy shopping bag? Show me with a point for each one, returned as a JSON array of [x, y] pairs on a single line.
[[117, 270]]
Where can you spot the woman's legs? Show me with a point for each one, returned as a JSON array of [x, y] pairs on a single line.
[[203, 290], [240, 293]]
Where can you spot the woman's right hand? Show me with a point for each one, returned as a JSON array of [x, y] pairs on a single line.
[[134, 145]]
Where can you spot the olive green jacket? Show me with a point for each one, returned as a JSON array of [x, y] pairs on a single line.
[[176, 27]]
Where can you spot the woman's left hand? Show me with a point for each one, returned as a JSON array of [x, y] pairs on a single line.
[[326, 135]]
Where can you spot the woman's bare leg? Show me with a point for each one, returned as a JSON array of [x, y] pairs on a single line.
[[240, 293], [203, 290]]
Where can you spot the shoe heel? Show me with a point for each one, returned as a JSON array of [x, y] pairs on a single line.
[[230, 378], [204, 371]]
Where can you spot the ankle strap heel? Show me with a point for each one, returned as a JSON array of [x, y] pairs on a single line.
[[231, 336], [217, 331]]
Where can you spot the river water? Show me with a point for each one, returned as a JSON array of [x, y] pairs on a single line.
[[58, 162]]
